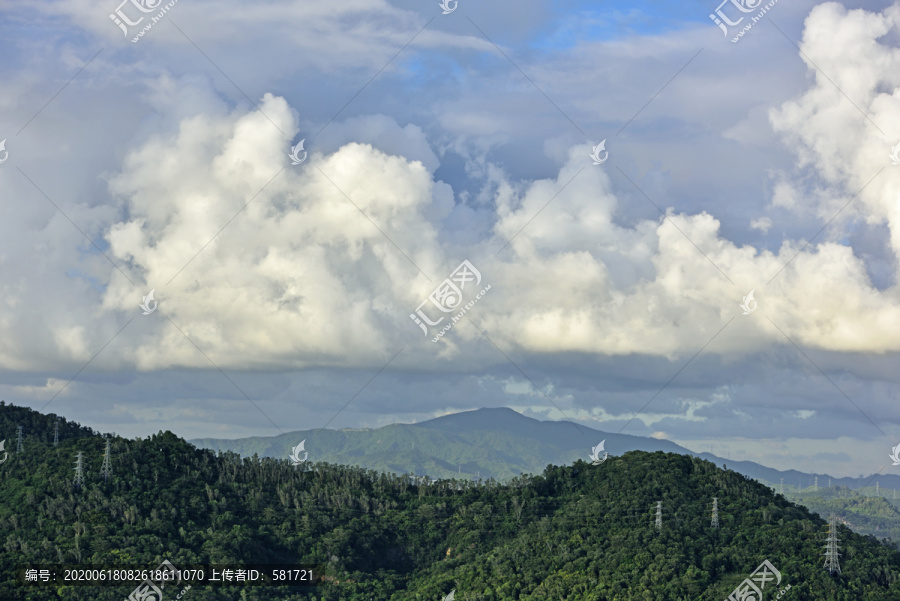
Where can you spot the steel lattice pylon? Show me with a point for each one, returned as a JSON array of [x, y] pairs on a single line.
[[832, 553], [715, 513], [79, 470], [106, 468]]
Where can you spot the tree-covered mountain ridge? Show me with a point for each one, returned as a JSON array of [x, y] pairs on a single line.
[[575, 532], [501, 443], [498, 443]]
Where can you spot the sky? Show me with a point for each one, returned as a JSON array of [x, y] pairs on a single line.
[[446, 177]]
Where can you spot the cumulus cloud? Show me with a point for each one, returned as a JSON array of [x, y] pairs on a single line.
[[298, 274], [842, 128], [321, 264]]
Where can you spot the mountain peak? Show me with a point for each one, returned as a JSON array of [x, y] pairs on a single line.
[[477, 419]]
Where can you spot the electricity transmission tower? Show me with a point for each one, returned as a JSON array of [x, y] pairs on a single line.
[[781, 487], [106, 468], [79, 470], [715, 513], [816, 484], [659, 515], [876, 489], [19, 447], [832, 564], [56, 433]]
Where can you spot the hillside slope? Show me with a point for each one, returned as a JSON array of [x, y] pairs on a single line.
[[579, 532]]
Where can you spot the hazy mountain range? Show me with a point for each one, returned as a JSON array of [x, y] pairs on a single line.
[[497, 443]]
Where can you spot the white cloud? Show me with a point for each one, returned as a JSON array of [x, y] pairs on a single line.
[[834, 126], [762, 224], [300, 277]]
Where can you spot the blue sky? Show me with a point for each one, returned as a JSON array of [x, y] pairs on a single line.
[[286, 291]]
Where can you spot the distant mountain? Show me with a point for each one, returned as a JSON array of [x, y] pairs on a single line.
[[487, 443], [867, 512], [497, 443]]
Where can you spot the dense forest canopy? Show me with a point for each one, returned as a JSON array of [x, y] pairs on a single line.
[[573, 532]]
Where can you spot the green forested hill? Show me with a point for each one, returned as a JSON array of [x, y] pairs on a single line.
[[494, 443], [865, 511], [577, 532]]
